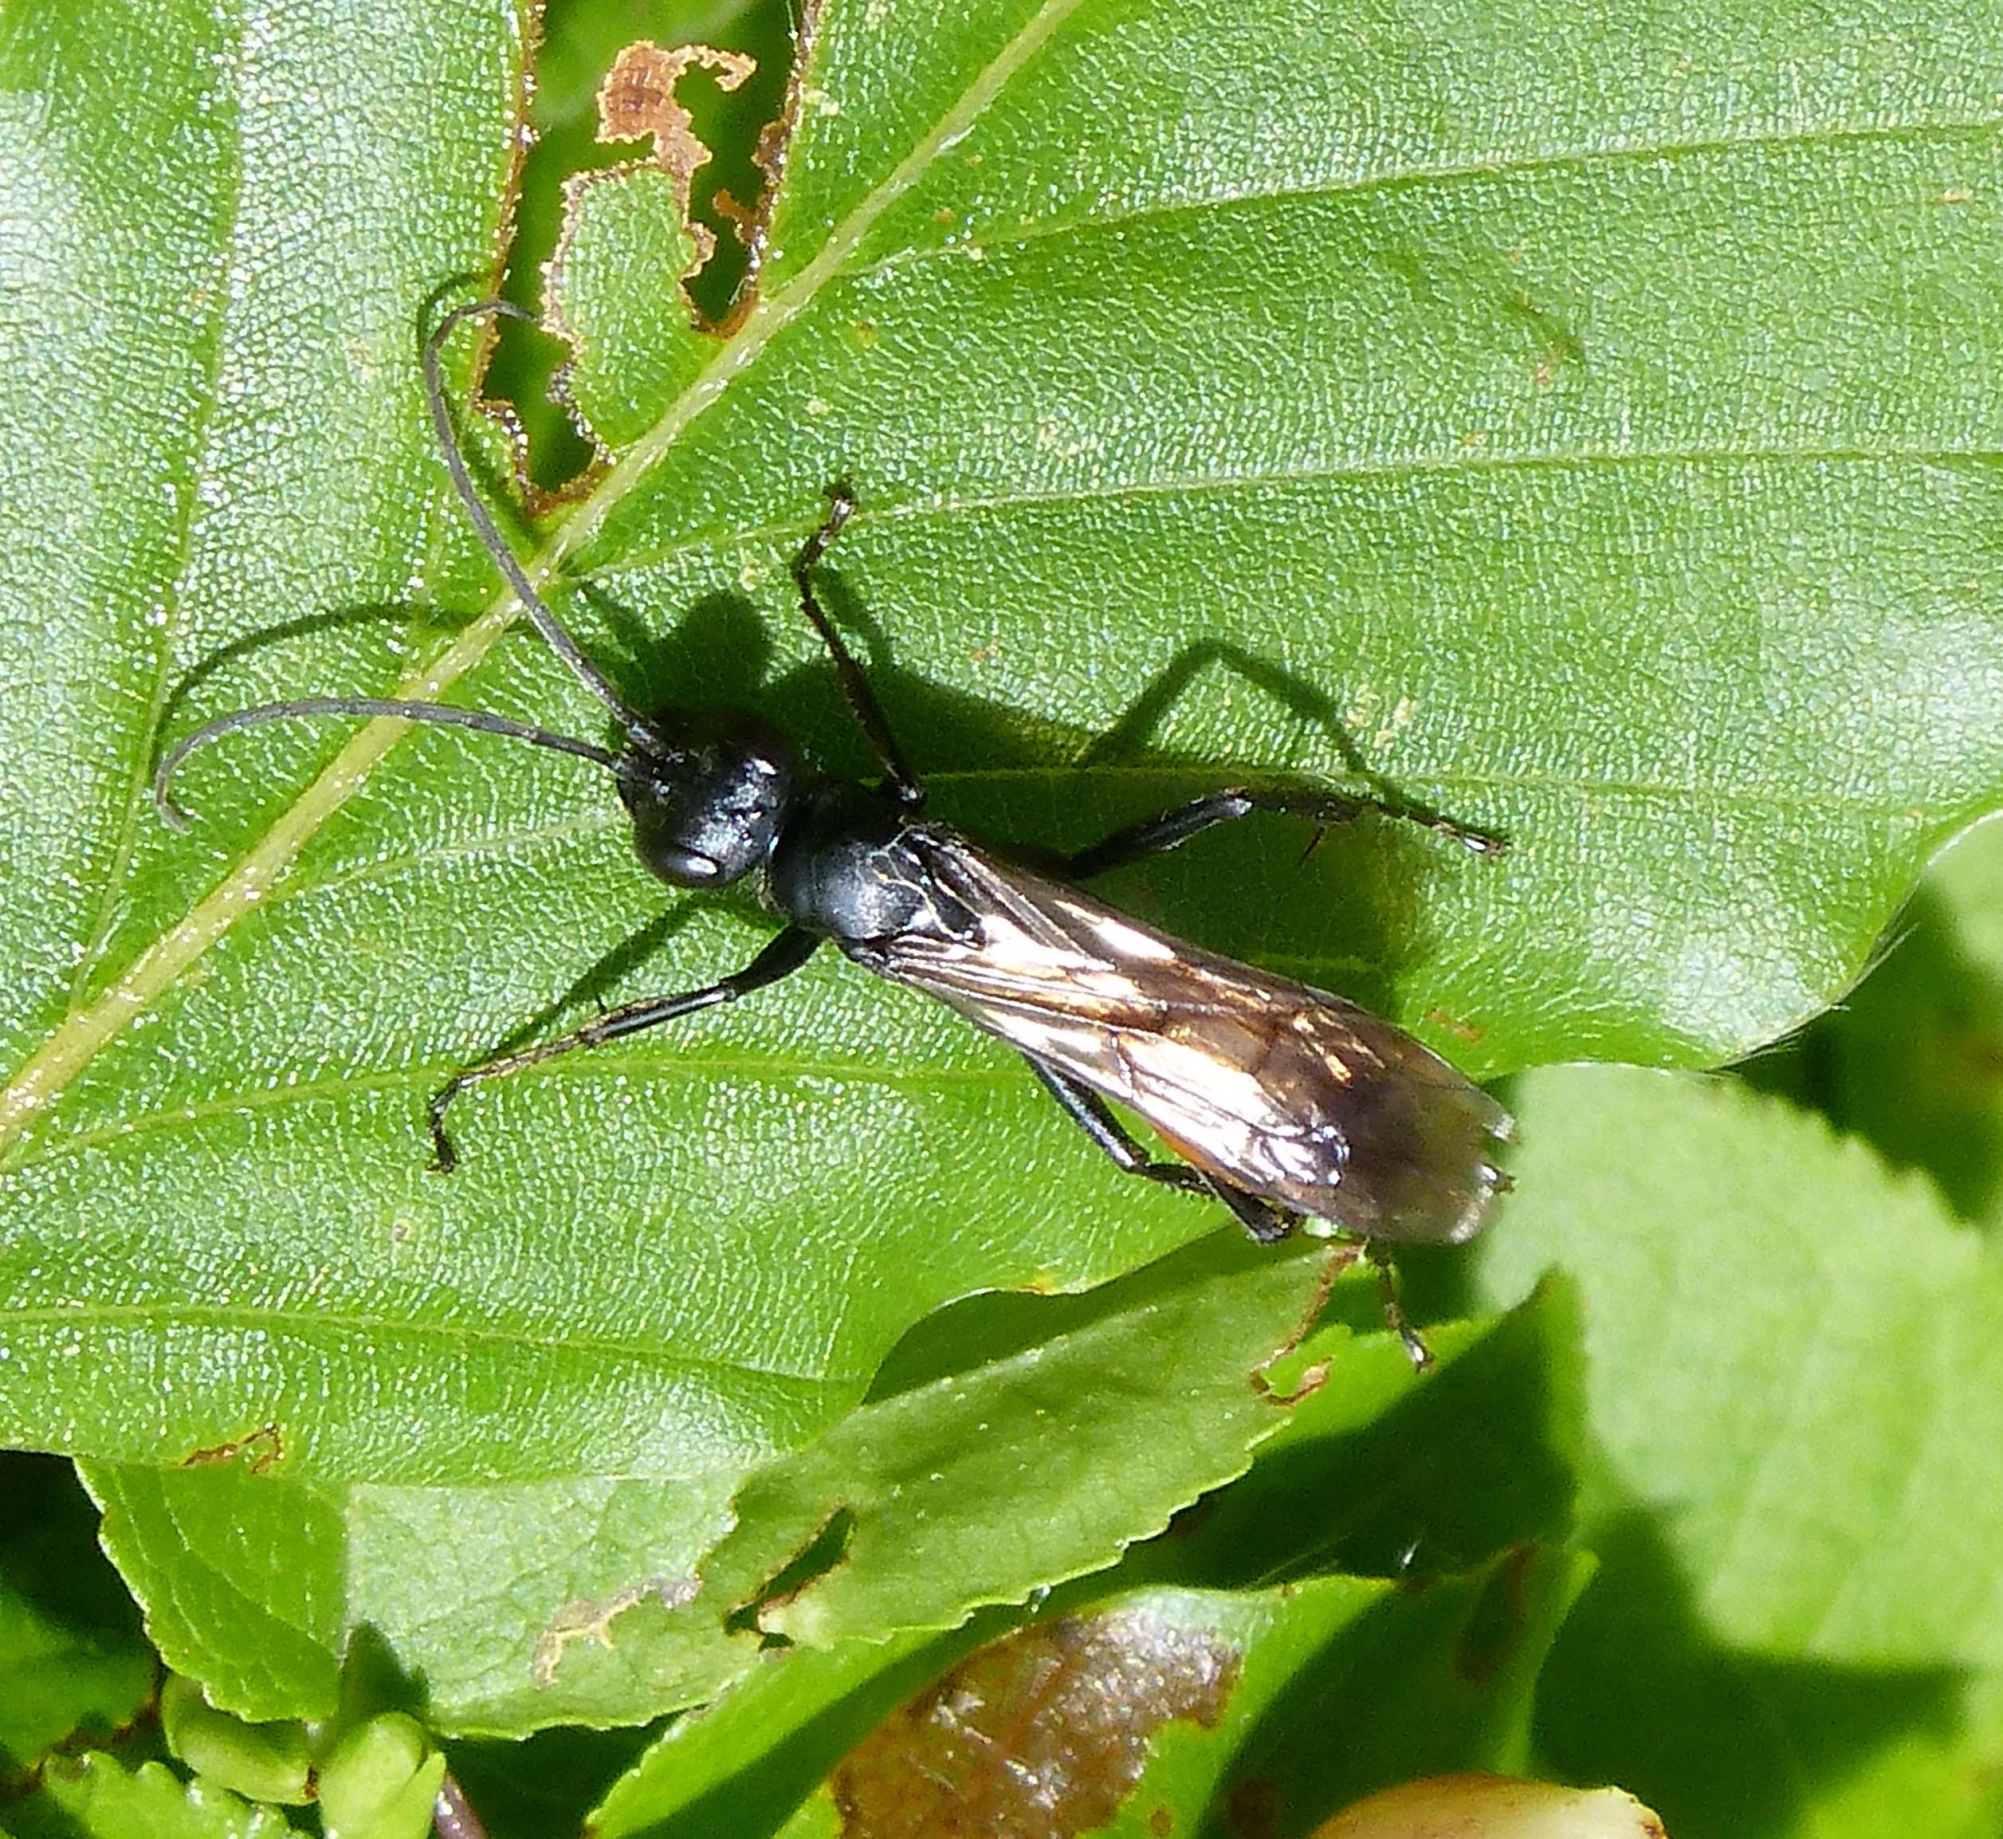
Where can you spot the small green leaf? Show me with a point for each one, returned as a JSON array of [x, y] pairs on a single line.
[[57, 1680], [93, 1798], [1804, 1370], [262, 1762], [381, 1781], [240, 1579], [71, 1659]]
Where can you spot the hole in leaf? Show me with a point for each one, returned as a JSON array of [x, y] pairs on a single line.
[[580, 42], [814, 1560]]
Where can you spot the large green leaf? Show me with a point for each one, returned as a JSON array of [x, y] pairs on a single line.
[[1595, 432]]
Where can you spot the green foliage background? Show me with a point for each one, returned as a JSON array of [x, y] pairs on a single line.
[[1589, 424]]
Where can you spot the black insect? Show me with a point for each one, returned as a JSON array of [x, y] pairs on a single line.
[[1292, 1107]]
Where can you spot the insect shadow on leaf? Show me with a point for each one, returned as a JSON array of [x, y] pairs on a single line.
[[1294, 1108]]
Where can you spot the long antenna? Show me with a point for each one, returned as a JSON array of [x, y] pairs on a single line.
[[445, 714], [552, 630], [442, 713]]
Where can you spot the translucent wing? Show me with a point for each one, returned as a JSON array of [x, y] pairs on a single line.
[[1279, 1089]]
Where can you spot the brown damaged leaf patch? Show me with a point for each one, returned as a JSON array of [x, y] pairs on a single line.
[[638, 98], [637, 101], [1040, 1735], [265, 1446], [583, 1619]]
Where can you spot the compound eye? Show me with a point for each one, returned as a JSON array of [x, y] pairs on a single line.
[[684, 867]]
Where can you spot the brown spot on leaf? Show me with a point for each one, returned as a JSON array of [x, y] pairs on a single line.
[[1252, 1808], [637, 99], [743, 218], [1496, 1627], [1039, 1735], [1465, 1031], [265, 1446], [583, 1619]]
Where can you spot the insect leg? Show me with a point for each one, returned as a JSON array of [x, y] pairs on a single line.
[[1387, 1297], [1155, 834], [1095, 1118], [898, 778], [1264, 1221], [781, 958]]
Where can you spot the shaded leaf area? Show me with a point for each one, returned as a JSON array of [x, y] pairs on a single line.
[[1444, 399], [1912, 1060], [1378, 1570], [601, 1600], [1794, 1488], [74, 1667]]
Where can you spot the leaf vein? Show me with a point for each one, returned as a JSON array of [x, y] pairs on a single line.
[[1502, 166], [306, 1322], [789, 531]]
